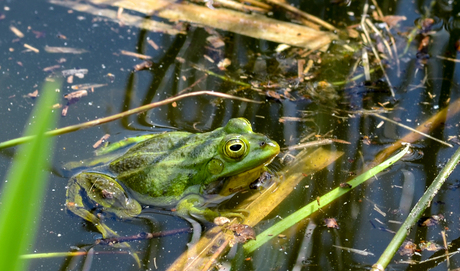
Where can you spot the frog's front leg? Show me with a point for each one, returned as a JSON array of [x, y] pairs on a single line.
[[89, 189]]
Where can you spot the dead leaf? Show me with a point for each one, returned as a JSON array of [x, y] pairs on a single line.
[[242, 232], [215, 41], [64, 110], [76, 95], [33, 94], [223, 64], [100, 141], [407, 248], [143, 66], [429, 246], [392, 20], [331, 223]]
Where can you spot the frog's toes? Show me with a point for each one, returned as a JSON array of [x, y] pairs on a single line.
[[238, 213], [109, 233]]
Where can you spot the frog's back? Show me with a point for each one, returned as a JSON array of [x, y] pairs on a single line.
[[165, 165]]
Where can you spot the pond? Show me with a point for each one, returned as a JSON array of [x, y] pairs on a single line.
[[332, 100]]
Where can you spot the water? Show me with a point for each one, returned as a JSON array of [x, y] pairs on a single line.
[[366, 215]]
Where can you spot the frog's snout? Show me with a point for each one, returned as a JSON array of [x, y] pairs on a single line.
[[269, 144]]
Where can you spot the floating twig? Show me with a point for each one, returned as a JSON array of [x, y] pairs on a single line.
[[411, 129], [448, 58], [357, 251], [72, 128], [140, 236], [316, 144]]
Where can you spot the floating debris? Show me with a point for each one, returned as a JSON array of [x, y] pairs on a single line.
[[345, 185], [242, 232], [215, 41], [141, 56], [100, 141], [88, 86], [143, 66], [17, 32], [153, 44], [61, 36], [73, 96], [51, 68], [80, 73], [429, 246], [223, 64], [208, 58], [33, 94], [331, 223], [407, 248], [430, 221], [110, 76], [64, 111], [33, 49], [357, 251], [221, 220], [282, 47], [38, 34], [391, 20], [64, 50]]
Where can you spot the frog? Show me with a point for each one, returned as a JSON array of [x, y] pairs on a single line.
[[169, 170]]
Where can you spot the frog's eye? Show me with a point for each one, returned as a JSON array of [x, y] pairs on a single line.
[[246, 121], [235, 148]]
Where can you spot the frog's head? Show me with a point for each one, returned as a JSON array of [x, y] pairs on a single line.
[[240, 150]]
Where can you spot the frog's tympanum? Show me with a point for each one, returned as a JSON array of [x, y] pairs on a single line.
[[170, 170]]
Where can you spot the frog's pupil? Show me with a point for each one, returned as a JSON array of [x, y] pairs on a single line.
[[235, 147]]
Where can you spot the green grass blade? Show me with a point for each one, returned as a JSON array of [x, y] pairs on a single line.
[[313, 206], [416, 213], [24, 188]]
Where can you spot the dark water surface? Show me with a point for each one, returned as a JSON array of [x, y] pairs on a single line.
[[366, 216]]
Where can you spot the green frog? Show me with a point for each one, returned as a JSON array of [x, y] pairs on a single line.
[[172, 169]]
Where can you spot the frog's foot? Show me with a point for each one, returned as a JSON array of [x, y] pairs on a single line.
[[191, 205], [107, 232], [100, 190]]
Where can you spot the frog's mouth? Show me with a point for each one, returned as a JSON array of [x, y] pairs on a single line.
[[275, 150], [276, 147], [269, 150]]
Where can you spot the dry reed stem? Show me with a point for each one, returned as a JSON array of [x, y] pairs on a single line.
[[252, 25]]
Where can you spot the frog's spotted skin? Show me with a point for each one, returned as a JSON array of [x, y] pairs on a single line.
[[168, 168]]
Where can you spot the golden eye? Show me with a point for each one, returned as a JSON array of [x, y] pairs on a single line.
[[235, 148]]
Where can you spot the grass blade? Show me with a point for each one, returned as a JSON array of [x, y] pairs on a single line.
[[313, 206], [24, 188], [416, 213]]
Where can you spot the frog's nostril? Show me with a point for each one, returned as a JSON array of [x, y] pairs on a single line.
[[262, 143]]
